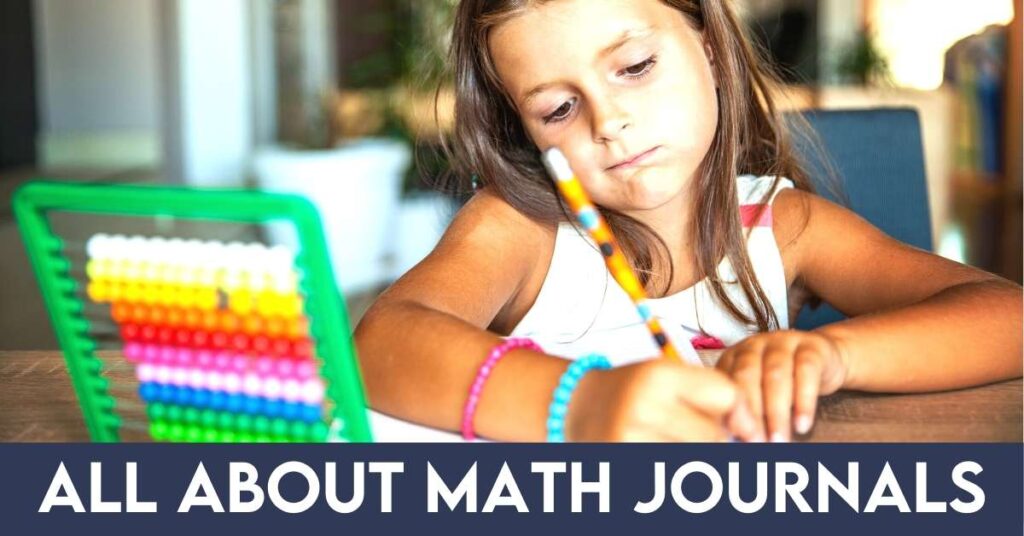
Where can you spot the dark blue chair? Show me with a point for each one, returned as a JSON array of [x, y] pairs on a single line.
[[879, 159]]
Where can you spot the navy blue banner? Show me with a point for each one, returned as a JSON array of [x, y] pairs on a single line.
[[509, 488]]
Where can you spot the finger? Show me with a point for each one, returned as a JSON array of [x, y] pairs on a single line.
[[777, 385], [691, 432], [675, 423], [742, 424], [747, 375], [690, 424], [709, 390], [807, 374], [645, 435], [725, 361]]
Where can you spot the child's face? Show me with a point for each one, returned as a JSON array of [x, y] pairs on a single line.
[[623, 87]]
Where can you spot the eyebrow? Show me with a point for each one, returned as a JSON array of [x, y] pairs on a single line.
[[626, 36]]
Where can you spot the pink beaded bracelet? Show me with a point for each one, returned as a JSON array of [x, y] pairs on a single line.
[[477, 388]]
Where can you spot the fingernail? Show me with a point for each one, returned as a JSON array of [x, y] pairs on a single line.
[[803, 424], [779, 437]]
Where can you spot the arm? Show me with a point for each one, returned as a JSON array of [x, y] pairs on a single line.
[[421, 344], [919, 322]]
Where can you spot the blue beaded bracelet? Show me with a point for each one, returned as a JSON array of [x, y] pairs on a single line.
[[566, 385]]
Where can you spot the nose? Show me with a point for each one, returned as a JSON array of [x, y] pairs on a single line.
[[609, 120]]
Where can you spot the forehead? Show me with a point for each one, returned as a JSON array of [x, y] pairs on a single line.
[[548, 40]]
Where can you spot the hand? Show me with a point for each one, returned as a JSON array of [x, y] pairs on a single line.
[[782, 373], [658, 400]]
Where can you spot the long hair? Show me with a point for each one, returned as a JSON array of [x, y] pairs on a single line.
[[489, 143]]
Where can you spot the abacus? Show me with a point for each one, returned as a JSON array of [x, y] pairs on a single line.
[[177, 338]]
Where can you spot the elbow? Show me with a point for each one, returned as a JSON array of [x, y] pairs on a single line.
[[371, 341]]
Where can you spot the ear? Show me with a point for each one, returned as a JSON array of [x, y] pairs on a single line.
[[710, 54], [707, 47]]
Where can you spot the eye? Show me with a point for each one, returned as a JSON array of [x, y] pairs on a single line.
[[639, 70], [560, 113]]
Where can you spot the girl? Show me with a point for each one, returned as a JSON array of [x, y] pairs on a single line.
[[664, 112]]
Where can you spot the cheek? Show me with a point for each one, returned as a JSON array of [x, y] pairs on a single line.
[[578, 148], [584, 162], [681, 105], [688, 117]]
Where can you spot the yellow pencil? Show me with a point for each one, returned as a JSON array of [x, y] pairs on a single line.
[[588, 216]]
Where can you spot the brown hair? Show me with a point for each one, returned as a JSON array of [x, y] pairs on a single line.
[[490, 143]]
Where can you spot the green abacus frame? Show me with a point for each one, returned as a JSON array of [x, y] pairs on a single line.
[[328, 320]]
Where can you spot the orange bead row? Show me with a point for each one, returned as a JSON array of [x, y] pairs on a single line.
[[223, 320]]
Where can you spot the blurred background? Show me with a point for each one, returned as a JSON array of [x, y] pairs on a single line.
[[334, 99]]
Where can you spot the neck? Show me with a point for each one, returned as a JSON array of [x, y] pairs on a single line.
[[672, 222]]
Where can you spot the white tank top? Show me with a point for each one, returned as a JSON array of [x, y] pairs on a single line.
[[581, 309]]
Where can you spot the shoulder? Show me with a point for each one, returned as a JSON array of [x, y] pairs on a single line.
[[791, 215], [848, 262], [487, 221], [489, 236], [479, 269], [806, 223]]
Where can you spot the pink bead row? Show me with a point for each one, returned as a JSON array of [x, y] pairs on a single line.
[[252, 384], [220, 360], [477, 388]]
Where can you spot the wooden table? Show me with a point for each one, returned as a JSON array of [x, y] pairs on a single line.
[[38, 404]]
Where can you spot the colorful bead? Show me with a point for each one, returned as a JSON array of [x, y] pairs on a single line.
[[563, 393], [213, 330], [477, 387]]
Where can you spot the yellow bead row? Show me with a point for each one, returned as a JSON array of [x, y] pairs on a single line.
[[183, 274], [242, 301]]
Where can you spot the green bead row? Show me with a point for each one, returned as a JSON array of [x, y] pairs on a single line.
[[169, 422]]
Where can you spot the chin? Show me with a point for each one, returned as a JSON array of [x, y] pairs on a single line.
[[647, 189], [651, 190]]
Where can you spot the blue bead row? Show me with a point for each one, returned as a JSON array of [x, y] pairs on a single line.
[[566, 385], [233, 402]]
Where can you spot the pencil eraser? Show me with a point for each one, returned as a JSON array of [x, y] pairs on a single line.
[[557, 164]]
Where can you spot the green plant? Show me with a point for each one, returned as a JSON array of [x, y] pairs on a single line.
[[863, 62], [302, 81], [414, 37], [408, 65]]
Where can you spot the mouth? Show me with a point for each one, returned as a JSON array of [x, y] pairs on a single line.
[[634, 160]]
